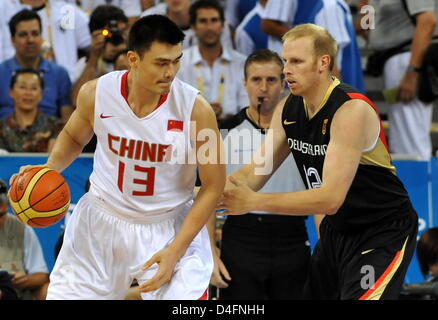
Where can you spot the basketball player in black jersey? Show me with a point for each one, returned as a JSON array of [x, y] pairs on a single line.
[[368, 235]]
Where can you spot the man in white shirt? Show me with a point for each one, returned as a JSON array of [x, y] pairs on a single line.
[[178, 12], [104, 49], [215, 69]]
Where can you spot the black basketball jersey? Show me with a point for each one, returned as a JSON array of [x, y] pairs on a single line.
[[376, 194]]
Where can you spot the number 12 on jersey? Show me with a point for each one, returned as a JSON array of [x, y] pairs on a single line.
[[147, 176]]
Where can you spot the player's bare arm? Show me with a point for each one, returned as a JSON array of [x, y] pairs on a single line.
[[77, 132], [212, 176], [247, 174], [354, 128]]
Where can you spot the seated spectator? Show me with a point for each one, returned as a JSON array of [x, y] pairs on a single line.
[[25, 28], [178, 12], [404, 30], [21, 254], [104, 48], [212, 67], [28, 129], [63, 32], [249, 37], [427, 253]]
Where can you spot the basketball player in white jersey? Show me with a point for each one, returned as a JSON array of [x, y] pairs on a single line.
[[138, 220]]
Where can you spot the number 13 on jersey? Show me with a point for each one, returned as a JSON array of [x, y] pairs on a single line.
[[145, 180]]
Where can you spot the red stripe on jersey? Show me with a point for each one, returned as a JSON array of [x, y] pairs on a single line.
[[124, 88], [163, 98], [124, 91], [360, 96]]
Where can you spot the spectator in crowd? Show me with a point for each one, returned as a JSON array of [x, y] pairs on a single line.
[[21, 254], [427, 254], [108, 25], [409, 118], [131, 8], [249, 37], [64, 30], [333, 15], [236, 11], [265, 255], [25, 28], [27, 129], [215, 69], [178, 12], [121, 61]]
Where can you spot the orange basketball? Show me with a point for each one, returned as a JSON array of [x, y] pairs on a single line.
[[39, 197]]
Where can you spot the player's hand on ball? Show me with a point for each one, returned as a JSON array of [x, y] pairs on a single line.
[[236, 201], [23, 169]]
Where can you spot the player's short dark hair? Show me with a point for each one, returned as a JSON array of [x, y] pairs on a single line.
[[205, 4], [102, 15], [427, 250], [152, 28], [263, 55], [18, 72], [20, 16]]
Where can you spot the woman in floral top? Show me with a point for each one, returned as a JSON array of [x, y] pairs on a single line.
[[27, 129]]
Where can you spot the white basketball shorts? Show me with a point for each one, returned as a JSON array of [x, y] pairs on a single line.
[[102, 254]]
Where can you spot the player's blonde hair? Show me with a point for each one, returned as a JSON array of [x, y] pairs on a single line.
[[322, 40]]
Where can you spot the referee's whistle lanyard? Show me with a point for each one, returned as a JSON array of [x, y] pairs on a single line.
[[200, 82]]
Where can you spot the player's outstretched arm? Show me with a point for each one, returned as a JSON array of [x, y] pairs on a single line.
[[212, 174], [77, 132], [354, 128], [270, 155]]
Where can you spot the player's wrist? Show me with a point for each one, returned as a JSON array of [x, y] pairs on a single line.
[[256, 202]]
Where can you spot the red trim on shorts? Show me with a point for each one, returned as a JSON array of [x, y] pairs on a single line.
[[379, 282], [124, 91], [360, 96], [204, 295]]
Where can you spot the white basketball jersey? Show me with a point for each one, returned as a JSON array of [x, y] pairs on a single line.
[[142, 166]]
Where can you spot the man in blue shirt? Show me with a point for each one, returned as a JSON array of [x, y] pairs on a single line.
[[25, 27], [249, 37]]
